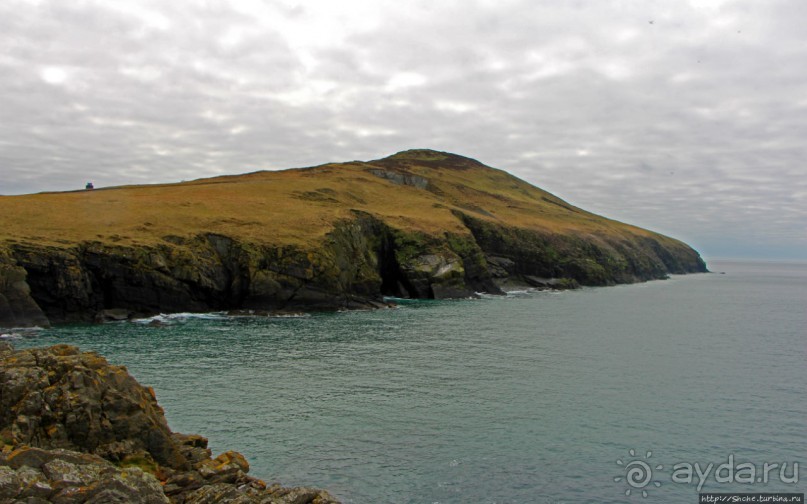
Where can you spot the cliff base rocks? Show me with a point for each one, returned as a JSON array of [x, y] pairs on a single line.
[[419, 224]]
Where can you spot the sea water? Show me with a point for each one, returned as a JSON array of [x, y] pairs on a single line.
[[545, 397]]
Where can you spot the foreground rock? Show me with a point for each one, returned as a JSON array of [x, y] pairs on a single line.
[[76, 429]]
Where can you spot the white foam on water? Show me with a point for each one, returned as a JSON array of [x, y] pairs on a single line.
[[517, 292], [485, 295], [260, 314], [14, 333], [181, 317]]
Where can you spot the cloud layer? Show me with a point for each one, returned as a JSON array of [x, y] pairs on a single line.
[[683, 117]]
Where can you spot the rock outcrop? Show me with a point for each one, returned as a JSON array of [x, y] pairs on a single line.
[[75, 429], [17, 306], [420, 224]]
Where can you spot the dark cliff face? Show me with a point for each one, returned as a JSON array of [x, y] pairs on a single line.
[[17, 306], [419, 224], [361, 261], [602, 259]]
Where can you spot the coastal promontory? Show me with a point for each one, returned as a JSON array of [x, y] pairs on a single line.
[[418, 224]]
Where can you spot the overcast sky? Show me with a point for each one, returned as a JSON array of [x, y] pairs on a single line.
[[685, 117]]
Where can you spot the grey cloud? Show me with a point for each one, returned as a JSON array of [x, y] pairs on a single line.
[[691, 125]]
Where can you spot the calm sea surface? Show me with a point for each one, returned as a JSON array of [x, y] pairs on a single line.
[[533, 397]]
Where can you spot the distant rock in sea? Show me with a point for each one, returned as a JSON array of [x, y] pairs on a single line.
[[76, 429]]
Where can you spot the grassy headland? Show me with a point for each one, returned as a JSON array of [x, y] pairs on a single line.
[[419, 223]]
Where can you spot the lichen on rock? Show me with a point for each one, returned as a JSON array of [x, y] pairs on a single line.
[[76, 429]]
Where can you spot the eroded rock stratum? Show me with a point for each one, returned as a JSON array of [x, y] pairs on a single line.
[[419, 224]]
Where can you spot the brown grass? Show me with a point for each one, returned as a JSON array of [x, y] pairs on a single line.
[[296, 206]]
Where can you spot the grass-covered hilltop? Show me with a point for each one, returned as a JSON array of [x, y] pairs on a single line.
[[420, 224]]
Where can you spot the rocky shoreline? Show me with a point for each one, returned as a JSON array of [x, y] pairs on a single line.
[[76, 429], [361, 262], [420, 224]]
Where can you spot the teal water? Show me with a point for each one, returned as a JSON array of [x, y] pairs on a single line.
[[528, 398]]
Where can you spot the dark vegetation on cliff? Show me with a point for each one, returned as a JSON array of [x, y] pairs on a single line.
[[419, 224], [75, 429]]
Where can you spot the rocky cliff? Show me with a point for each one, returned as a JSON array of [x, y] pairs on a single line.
[[75, 429], [419, 224]]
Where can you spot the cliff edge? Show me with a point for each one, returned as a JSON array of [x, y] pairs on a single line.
[[418, 224]]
